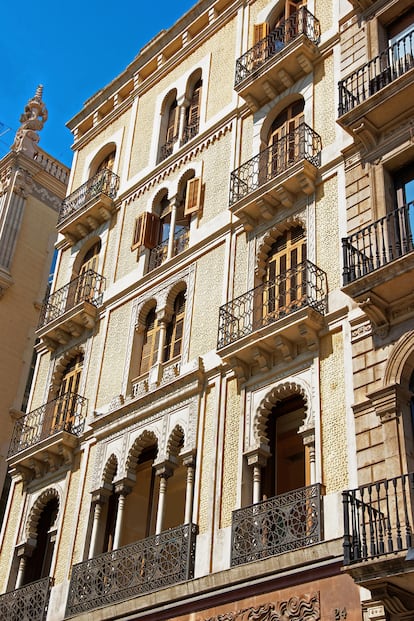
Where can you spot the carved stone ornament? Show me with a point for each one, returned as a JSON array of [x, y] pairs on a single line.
[[304, 608], [32, 121]]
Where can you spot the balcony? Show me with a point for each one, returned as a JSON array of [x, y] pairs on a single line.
[[159, 254], [378, 533], [379, 93], [153, 563], [30, 602], [167, 148], [70, 310], [286, 522], [190, 131], [373, 257], [276, 62], [44, 439], [278, 318], [276, 176], [90, 205]]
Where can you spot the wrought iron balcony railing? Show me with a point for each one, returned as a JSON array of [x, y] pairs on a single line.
[[378, 244], [167, 148], [378, 519], [29, 603], [104, 182], [301, 22], [147, 565], [159, 254], [88, 287], [190, 131], [392, 63], [300, 144], [300, 286], [286, 522], [65, 413]]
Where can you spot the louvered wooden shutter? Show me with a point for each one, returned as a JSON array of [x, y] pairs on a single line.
[[260, 32], [146, 231], [192, 196]]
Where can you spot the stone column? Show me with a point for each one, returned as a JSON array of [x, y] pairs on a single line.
[[164, 471], [24, 552], [173, 219], [189, 462], [183, 104], [257, 459], [388, 403], [122, 490], [99, 498]]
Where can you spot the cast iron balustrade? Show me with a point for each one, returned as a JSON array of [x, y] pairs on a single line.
[[301, 22], [147, 565], [65, 413], [159, 254], [392, 63], [104, 182], [378, 519], [190, 131], [300, 286], [301, 144], [29, 603], [88, 287], [167, 148], [378, 244], [286, 522]]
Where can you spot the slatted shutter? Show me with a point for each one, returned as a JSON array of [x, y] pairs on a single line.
[[146, 231], [193, 196]]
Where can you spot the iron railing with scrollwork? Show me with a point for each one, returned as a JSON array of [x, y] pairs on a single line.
[[104, 182], [147, 565], [298, 287], [286, 522], [300, 144], [372, 77], [88, 287], [167, 148], [378, 519], [159, 254], [190, 131], [378, 243], [28, 603], [302, 22], [65, 413]]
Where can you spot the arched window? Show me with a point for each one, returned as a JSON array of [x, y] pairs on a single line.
[[285, 279], [171, 123], [287, 468], [86, 280], [108, 162], [175, 329], [192, 117], [38, 566], [149, 351]]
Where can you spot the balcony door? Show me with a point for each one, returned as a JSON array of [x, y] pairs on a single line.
[[86, 282], [285, 285], [65, 405], [404, 193], [287, 468], [285, 142], [38, 566]]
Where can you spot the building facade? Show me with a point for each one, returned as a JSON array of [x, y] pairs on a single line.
[[220, 424], [32, 187]]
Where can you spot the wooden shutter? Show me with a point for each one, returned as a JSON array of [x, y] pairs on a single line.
[[193, 196], [173, 120], [146, 231], [260, 31]]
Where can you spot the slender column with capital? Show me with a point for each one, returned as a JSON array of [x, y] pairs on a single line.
[[173, 218], [189, 492], [95, 528], [122, 492], [161, 504], [257, 480]]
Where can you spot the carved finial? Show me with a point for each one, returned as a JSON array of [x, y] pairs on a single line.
[[32, 121]]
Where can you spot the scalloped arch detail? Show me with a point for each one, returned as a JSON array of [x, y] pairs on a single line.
[[35, 512], [145, 439], [110, 469], [175, 441], [278, 393]]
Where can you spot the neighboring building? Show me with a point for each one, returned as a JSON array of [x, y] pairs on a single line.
[[217, 372], [32, 186]]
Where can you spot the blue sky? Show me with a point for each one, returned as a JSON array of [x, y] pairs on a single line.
[[73, 49]]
